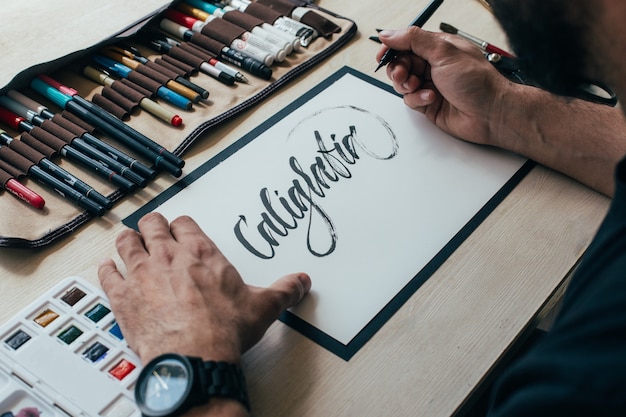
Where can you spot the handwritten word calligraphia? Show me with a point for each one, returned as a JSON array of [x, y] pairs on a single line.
[[363, 134]]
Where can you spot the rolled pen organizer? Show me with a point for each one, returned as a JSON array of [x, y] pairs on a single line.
[[166, 80]]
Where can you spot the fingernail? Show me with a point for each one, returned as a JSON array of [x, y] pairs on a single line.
[[385, 33]]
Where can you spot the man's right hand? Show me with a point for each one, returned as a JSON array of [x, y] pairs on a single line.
[[448, 79]]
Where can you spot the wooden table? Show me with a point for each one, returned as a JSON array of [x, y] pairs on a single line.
[[437, 349]]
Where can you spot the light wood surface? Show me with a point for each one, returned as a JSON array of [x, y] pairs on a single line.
[[433, 353]]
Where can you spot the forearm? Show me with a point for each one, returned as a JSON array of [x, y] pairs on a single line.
[[580, 139]]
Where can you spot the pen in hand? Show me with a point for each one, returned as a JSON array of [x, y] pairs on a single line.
[[419, 21]]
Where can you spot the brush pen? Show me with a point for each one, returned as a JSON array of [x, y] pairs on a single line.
[[72, 139], [419, 21], [82, 133], [483, 45], [103, 120], [64, 149], [145, 103], [133, 53], [123, 71], [18, 160], [19, 190]]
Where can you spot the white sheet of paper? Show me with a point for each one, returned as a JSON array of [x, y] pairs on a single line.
[[381, 219]]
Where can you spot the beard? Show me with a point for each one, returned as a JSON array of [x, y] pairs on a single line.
[[548, 38]]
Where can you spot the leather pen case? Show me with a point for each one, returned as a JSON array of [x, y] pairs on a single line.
[[65, 58]]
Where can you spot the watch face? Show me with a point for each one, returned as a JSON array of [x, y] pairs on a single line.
[[164, 387]]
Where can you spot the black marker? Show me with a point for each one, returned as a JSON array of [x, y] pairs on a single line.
[[68, 103], [419, 21]]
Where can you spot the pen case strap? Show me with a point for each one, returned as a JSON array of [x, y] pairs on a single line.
[[244, 20], [114, 106], [324, 27], [11, 170], [35, 149], [130, 93], [223, 31]]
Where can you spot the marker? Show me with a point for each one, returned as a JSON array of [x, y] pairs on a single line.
[[169, 46], [64, 149], [304, 32], [224, 31], [419, 21], [82, 133], [72, 139], [252, 24], [204, 10], [251, 65], [123, 71], [133, 53], [483, 45], [63, 189], [39, 158], [148, 105], [19, 190], [211, 60], [153, 74], [99, 118], [98, 111], [241, 44]]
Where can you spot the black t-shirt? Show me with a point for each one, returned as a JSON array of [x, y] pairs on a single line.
[[579, 368]]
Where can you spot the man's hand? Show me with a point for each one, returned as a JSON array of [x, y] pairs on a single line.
[[448, 79], [180, 294]]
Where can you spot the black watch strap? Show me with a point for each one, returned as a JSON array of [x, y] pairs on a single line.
[[224, 379]]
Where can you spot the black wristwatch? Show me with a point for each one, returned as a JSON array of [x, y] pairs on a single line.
[[171, 384]]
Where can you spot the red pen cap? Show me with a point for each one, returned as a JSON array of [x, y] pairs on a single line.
[[24, 193], [180, 18], [10, 118]]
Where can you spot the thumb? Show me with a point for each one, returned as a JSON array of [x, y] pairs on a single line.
[[289, 291], [282, 294]]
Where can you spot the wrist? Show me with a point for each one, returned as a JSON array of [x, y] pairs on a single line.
[[173, 385], [207, 352]]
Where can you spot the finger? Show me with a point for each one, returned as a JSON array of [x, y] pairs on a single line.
[[420, 99], [129, 245], [109, 276], [188, 233], [155, 230]]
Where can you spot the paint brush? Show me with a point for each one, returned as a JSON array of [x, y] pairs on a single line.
[[484, 45]]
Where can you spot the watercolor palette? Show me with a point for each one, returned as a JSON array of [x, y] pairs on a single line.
[[64, 355]]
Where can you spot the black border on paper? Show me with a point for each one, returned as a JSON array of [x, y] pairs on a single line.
[[345, 352]]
